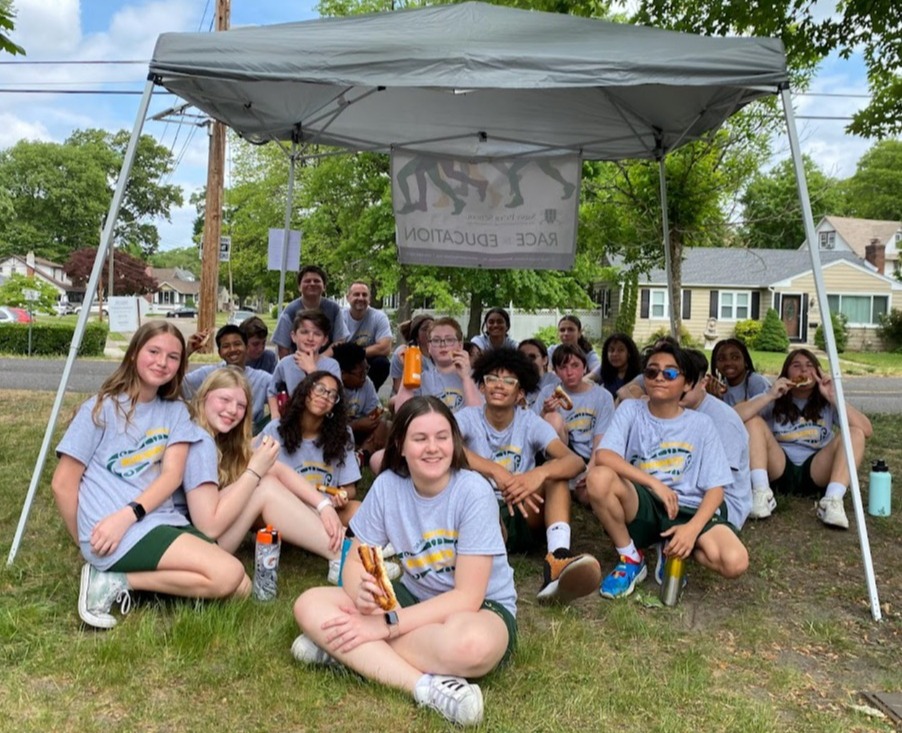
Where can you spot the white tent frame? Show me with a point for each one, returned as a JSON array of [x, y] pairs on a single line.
[[813, 250]]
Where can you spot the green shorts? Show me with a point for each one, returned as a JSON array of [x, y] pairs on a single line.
[[146, 554], [651, 519], [796, 480], [519, 536], [406, 598]]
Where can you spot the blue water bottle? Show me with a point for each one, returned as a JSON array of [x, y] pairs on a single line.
[[880, 490]]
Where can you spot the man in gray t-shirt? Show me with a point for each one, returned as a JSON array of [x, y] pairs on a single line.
[[369, 328], [311, 285]]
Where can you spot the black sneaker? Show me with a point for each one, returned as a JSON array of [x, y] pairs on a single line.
[[569, 576]]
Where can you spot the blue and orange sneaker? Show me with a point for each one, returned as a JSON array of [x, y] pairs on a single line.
[[623, 578]]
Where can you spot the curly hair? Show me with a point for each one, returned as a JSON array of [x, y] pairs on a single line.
[[633, 360], [233, 447], [785, 409], [125, 379], [511, 360], [333, 435]]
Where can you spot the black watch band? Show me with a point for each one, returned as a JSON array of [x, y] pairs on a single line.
[[139, 510], [391, 618]]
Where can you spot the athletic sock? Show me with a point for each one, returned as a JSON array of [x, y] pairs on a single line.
[[835, 490], [759, 478], [630, 551], [558, 535]]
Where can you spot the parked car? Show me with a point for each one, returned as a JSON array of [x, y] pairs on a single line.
[[64, 309], [183, 312], [95, 308], [12, 314], [238, 317]]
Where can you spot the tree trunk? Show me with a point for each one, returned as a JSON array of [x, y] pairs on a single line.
[[404, 309], [475, 323], [676, 282]]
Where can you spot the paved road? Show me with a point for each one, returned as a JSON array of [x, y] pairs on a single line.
[[869, 394]]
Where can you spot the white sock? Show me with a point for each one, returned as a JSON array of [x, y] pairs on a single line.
[[421, 689], [759, 478], [630, 551], [558, 535], [835, 490]]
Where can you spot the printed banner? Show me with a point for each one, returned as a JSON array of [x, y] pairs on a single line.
[[517, 213]]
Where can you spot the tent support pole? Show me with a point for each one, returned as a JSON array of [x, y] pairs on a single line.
[[829, 338], [105, 246], [668, 264], [286, 233]]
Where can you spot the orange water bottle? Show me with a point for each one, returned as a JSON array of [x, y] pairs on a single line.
[[413, 367]]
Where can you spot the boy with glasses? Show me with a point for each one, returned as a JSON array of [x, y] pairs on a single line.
[[659, 477], [502, 444]]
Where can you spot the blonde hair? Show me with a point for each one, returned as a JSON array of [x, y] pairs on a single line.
[[234, 447], [125, 379]]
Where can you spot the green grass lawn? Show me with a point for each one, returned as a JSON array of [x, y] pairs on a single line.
[[787, 647]]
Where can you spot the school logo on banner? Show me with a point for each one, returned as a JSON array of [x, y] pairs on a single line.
[[518, 213]]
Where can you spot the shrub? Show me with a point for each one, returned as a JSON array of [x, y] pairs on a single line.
[[890, 329], [748, 332], [686, 340], [840, 333], [626, 317], [51, 339], [547, 335], [772, 336]]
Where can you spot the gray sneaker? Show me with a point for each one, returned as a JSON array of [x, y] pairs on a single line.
[[306, 651], [455, 698], [97, 593]]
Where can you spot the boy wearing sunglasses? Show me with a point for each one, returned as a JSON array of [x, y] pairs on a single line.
[[659, 477], [502, 442]]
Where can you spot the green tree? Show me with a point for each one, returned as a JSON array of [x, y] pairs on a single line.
[[185, 258], [12, 292], [7, 16], [875, 190], [772, 214], [809, 35], [840, 333], [772, 336]]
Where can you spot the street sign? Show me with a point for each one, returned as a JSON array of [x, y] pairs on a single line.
[[225, 249]]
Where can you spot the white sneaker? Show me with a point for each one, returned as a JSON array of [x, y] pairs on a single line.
[[455, 698], [307, 652], [831, 512], [763, 503], [97, 592], [334, 571]]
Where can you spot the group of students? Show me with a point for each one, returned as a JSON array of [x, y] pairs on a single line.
[[486, 457]]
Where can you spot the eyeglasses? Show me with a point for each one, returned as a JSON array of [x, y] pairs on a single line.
[[669, 373], [444, 342], [330, 394], [491, 379]]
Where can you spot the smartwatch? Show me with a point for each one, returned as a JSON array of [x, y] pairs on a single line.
[[391, 620], [139, 510]]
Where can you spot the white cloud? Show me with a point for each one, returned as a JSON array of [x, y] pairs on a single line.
[[47, 26], [13, 129]]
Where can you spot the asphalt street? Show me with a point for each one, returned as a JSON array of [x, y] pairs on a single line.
[[870, 394]]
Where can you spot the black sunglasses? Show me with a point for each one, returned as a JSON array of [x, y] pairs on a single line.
[[670, 373]]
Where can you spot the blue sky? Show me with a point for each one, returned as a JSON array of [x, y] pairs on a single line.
[[118, 30]]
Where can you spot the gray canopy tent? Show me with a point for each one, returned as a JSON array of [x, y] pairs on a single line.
[[475, 81]]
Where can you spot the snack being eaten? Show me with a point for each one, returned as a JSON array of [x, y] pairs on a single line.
[[371, 557], [562, 397], [802, 381], [333, 491], [377, 411]]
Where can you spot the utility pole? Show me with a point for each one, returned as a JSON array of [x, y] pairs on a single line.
[[209, 278]]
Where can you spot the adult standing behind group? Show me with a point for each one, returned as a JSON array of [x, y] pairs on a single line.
[[368, 327], [312, 281]]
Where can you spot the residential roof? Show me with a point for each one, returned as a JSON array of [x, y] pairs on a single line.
[[858, 233], [176, 279], [741, 267]]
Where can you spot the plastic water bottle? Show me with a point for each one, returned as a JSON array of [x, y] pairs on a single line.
[[672, 585], [266, 563], [413, 367], [282, 397], [880, 490]]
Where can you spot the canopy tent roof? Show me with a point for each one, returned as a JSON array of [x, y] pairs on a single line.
[[471, 79]]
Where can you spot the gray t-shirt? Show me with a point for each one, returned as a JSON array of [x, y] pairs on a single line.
[[361, 401], [265, 362], [801, 438], [288, 372], [373, 327], [683, 452], [202, 467], [483, 343], [430, 532], [593, 361], [257, 379], [590, 416], [515, 447], [753, 385], [548, 378], [447, 386], [121, 460], [282, 335], [735, 439], [308, 462]]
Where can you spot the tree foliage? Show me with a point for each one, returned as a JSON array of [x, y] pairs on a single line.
[[772, 336], [875, 190], [873, 27], [185, 258], [12, 292], [7, 17], [129, 274]]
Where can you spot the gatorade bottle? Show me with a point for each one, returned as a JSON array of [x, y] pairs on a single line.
[[413, 367], [266, 563]]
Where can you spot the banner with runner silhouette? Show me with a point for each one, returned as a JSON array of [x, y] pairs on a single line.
[[515, 213]]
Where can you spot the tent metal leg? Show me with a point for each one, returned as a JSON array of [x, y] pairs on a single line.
[[286, 234], [832, 354], [105, 244]]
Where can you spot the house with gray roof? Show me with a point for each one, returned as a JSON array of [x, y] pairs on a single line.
[[845, 234], [722, 286]]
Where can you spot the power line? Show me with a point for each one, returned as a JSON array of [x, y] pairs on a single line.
[[94, 62], [136, 93]]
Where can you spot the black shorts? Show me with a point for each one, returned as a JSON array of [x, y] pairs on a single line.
[[651, 519], [796, 480]]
